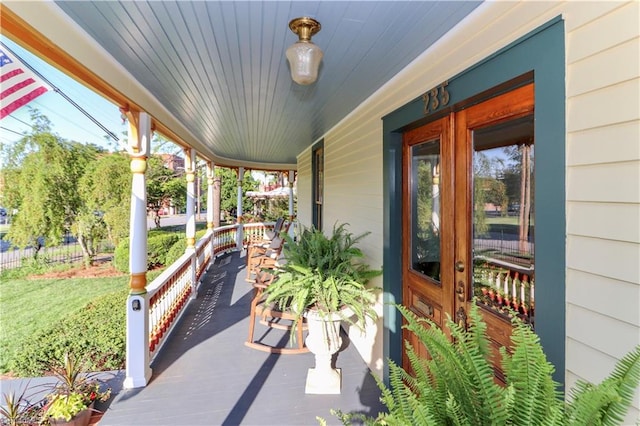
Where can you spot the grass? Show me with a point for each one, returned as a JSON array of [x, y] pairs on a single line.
[[30, 305], [504, 220]]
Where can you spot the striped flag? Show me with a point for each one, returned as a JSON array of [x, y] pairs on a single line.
[[18, 85]]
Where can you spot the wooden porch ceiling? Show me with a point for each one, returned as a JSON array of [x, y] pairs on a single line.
[[213, 74]]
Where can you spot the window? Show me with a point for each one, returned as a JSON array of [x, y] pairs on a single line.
[[318, 184]]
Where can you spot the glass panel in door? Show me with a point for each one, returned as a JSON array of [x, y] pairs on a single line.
[[503, 217], [426, 210]]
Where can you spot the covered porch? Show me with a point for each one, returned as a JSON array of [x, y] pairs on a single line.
[[206, 375]]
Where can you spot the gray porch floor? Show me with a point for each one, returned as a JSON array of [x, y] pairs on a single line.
[[205, 375]]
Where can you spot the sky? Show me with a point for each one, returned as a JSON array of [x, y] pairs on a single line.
[[67, 121]]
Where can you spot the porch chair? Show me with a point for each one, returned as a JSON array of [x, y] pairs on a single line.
[[264, 254], [272, 317], [268, 235], [263, 257]]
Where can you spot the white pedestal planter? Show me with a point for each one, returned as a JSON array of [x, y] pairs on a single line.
[[323, 341]]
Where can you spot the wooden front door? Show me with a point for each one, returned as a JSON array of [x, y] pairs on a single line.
[[468, 216]]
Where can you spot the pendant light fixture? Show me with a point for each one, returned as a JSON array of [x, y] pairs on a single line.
[[304, 56]]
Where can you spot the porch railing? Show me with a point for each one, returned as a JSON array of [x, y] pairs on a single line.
[[506, 288], [170, 293]]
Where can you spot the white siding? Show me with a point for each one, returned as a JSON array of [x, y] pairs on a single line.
[[603, 163], [303, 187], [603, 193]]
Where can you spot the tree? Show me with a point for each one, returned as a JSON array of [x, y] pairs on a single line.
[[229, 190], [43, 171], [163, 186], [106, 190], [176, 190], [520, 185]]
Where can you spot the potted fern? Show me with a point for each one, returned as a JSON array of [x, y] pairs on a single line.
[[324, 280], [455, 384]]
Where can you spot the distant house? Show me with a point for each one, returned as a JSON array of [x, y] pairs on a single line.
[[173, 162]]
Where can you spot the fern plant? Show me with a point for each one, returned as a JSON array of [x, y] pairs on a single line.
[[455, 385], [324, 273]]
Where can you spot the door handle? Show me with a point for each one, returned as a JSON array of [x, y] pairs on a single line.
[[459, 265], [460, 291], [461, 318]]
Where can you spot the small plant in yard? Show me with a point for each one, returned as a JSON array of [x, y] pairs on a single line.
[[455, 385], [17, 410], [75, 391]]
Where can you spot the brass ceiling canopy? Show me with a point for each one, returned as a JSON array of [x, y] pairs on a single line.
[[304, 56], [304, 27]]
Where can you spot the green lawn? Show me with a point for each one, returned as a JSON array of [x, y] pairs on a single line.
[[503, 220], [27, 305]]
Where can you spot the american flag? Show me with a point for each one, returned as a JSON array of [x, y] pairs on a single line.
[[18, 85]]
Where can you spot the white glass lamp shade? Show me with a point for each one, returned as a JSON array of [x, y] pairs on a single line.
[[304, 59]]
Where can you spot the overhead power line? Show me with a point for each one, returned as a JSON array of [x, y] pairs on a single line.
[[64, 95], [12, 131], [22, 121]]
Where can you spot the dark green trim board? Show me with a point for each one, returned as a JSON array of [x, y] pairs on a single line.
[[392, 249], [314, 184], [538, 57]]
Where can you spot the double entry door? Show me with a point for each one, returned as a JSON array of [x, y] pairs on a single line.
[[468, 216]]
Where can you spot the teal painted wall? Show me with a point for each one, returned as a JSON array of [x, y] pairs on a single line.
[[541, 57]]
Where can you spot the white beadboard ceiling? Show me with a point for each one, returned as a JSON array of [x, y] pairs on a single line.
[[219, 67]]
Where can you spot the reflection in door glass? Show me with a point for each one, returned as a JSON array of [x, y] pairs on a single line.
[[503, 217], [425, 205]]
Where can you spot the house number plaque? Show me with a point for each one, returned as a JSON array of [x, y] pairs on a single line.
[[436, 98]]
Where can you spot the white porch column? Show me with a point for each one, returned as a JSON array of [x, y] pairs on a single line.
[[291, 178], [190, 172], [210, 181], [138, 371], [239, 235], [211, 174]]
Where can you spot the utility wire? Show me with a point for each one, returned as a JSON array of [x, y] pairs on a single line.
[[57, 90], [22, 121], [12, 131]]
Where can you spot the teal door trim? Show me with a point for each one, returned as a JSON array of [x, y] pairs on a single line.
[[539, 57], [314, 183]]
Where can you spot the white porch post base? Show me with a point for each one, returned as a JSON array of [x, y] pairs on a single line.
[[321, 381], [138, 372], [323, 341]]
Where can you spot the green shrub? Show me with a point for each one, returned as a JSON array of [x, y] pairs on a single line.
[[163, 248], [176, 250], [121, 256], [96, 333], [157, 248], [179, 247], [455, 385]]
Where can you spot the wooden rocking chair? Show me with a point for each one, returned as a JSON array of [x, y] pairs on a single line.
[[263, 257], [266, 238], [272, 317]]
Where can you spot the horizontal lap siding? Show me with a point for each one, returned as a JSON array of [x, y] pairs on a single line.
[[303, 188], [603, 192], [353, 195], [603, 162]]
